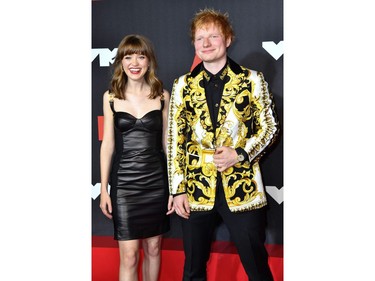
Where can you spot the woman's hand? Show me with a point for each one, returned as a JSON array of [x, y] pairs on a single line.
[[170, 205], [106, 205]]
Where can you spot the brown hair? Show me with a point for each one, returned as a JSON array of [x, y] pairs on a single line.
[[210, 16], [135, 44]]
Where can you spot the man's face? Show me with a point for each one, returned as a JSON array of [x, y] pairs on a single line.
[[210, 44]]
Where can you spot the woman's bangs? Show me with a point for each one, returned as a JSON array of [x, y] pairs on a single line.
[[135, 49]]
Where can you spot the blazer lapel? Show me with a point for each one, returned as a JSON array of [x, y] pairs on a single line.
[[229, 94], [199, 101]]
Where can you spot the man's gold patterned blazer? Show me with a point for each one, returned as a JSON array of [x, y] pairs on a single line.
[[246, 120]]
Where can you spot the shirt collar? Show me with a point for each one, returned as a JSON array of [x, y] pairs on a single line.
[[221, 74], [236, 68]]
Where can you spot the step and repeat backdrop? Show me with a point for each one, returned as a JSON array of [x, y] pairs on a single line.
[[258, 45]]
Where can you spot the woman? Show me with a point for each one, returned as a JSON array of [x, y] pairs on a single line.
[[132, 159]]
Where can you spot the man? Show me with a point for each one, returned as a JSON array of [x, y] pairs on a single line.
[[221, 119]]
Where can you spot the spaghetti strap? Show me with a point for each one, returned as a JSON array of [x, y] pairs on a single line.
[[111, 102], [162, 101]]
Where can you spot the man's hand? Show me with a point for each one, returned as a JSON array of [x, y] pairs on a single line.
[[224, 158], [181, 205]]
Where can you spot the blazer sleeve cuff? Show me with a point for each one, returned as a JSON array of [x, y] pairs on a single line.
[[242, 151]]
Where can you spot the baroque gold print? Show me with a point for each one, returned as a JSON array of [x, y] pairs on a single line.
[[179, 161], [207, 140], [224, 137]]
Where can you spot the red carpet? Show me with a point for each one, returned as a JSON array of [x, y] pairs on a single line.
[[224, 263]]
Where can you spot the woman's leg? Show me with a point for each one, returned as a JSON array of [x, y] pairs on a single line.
[[129, 257], [151, 261]]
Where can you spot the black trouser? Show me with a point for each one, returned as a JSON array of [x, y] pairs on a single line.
[[247, 231]]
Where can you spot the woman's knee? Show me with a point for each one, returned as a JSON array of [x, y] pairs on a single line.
[[152, 248], [129, 252], [129, 258]]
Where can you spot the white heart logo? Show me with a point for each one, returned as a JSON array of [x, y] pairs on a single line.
[[275, 193], [95, 191], [274, 50]]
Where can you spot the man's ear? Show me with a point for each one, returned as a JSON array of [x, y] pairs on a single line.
[[228, 42]]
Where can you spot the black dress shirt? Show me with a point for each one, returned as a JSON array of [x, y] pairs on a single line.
[[214, 86]]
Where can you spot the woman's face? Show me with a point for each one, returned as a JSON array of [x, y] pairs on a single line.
[[135, 66]]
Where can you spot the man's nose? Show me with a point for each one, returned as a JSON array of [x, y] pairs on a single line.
[[206, 42]]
